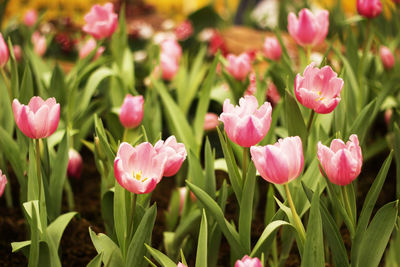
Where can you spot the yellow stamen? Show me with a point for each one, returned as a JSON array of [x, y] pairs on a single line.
[[138, 176]]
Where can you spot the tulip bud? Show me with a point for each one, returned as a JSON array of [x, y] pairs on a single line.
[[386, 57], [369, 8], [131, 114], [39, 43], [17, 52], [272, 48], [74, 168], [239, 66], [4, 53], [101, 21], [246, 261], [210, 121], [3, 182], [184, 30], [30, 17]]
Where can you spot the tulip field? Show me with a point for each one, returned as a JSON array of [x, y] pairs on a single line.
[[242, 133]]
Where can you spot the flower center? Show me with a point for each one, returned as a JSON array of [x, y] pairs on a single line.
[[320, 98], [138, 176]]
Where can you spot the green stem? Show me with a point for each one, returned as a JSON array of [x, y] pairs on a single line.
[[310, 120], [132, 214], [244, 161], [70, 195], [308, 54], [7, 82], [125, 135], [347, 203], [39, 173], [298, 224]]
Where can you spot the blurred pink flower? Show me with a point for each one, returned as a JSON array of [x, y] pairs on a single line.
[[176, 154], [88, 47], [308, 29], [279, 163], [30, 17], [246, 125], [131, 114], [273, 95], [369, 8], [184, 30], [171, 48], [182, 197], [246, 261], [3, 182], [386, 57], [180, 264], [252, 88], [74, 168], [39, 43], [341, 162], [388, 116], [210, 121], [101, 21], [272, 48], [4, 52], [38, 119], [239, 66], [319, 89], [139, 169], [169, 66], [17, 52]]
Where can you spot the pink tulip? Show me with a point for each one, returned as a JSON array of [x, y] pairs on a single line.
[[239, 66], [180, 264], [369, 8], [101, 21], [341, 162], [246, 125], [38, 119], [182, 197], [17, 52], [319, 89], [210, 121], [308, 29], [176, 154], [171, 48], [169, 66], [184, 30], [272, 48], [3, 182], [131, 114], [88, 47], [388, 116], [279, 163], [272, 94], [4, 52], [252, 88], [39, 43], [139, 169], [74, 168], [30, 17], [246, 261], [386, 57]]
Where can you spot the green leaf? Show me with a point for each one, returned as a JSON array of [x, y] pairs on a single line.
[[137, 250], [396, 131], [14, 69], [209, 157], [363, 121], [111, 253], [294, 119], [120, 215], [246, 211], [26, 90], [96, 261], [57, 178], [160, 257], [174, 113], [201, 255], [212, 207], [58, 88], [367, 208], [313, 254], [32, 208], [377, 235], [196, 175], [56, 229]]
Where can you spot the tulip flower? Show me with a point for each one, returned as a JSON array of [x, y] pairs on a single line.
[[239, 66], [369, 8], [3, 182], [169, 66], [139, 169], [176, 154], [184, 30], [171, 48], [319, 89], [4, 53], [39, 43], [182, 197], [30, 17], [74, 168], [38, 119], [386, 57], [101, 21], [17, 52], [180, 264], [88, 47], [308, 29], [279, 163], [210, 121], [131, 114], [246, 125], [272, 48], [341, 162], [252, 88], [246, 261]]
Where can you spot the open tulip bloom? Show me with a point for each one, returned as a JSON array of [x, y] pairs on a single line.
[[101, 21]]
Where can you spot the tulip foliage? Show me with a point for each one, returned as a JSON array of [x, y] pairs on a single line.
[[268, 153]]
